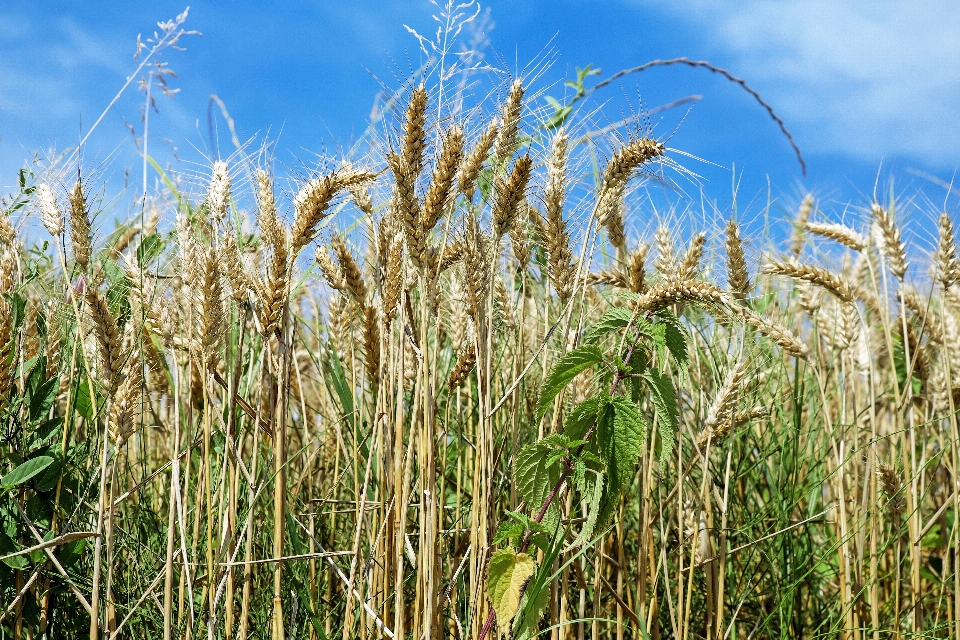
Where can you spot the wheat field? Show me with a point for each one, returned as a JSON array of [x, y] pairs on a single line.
[[469, 382]]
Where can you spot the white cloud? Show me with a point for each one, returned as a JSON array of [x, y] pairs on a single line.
[[871, 79]]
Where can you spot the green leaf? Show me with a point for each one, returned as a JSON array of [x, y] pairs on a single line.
[[507, 575], [26, 471], [614, 318], [582, 418], [507, 531], [675, 337], [665, 402], [535, 478], [150, 247], [337, 378], [18, 307], [565, 371], [43, 395], [7, 546], [589, 483]]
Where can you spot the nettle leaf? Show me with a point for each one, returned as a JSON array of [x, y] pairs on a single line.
[[582, 418], [507, 575], [535, 477], [675, 336], [615, 318], [25, 471], [665, 402], [589, 482], [565, 371]]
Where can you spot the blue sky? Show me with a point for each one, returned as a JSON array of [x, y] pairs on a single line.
[[860, 85]]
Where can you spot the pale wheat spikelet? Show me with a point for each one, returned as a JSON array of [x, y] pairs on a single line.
[[848, 329], [690, 265], [124, 409], [190, 258], [330, 270], [342, 323], [107, 334], [606, 276], [637, 269], [210, 315], [946, 267], [274, 290], [394, 280], [406, 207], [314, 199], [50, 212], [218, 192], [892, 488], [616, 232], [780, 335], [738, 279], [538, 227], [733, 421], [54, 343], [506, 141], [360, 194], [920, 308], [457, 321], [352, 275], [80, 226], [267, 219], [473, 162], [8, 235], [476, 267], [520, 240], [671, 292], [838, 232], [553, 234], [7, 355], [441, 185], [891, 246], [8, 269], [371, 344], [809, 297], [509, 195], [814, 275], [504, 303], [725, 402], [800, 223], [618, 172], [414, 131], [666, 263], [465, 364], [233, 267]]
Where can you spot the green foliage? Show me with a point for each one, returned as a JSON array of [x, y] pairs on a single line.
[[566, 370], [507, 576]]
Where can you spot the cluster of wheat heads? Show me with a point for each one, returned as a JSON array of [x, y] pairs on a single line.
[[487, 413]]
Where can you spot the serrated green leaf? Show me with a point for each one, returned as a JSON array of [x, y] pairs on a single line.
[[591, 487], [507, 576], [614, 318], [582, 418], [566, 370], [675, 337], [26, 471], [665, 402], [535, 478]]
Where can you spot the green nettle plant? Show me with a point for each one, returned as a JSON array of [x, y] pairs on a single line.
[[633, 357]]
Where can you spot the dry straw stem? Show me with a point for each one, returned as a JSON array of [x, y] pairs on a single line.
[[218, 193], [946, 268], [441, 185], [891, 245], [50, 212], [738, 279], [473, 162], [800, 224], [510, 194], [814, 275], [313, 200], [80, 226], [506, 141], [838, 232]]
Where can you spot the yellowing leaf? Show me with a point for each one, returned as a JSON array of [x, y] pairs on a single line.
[[507, 575]]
